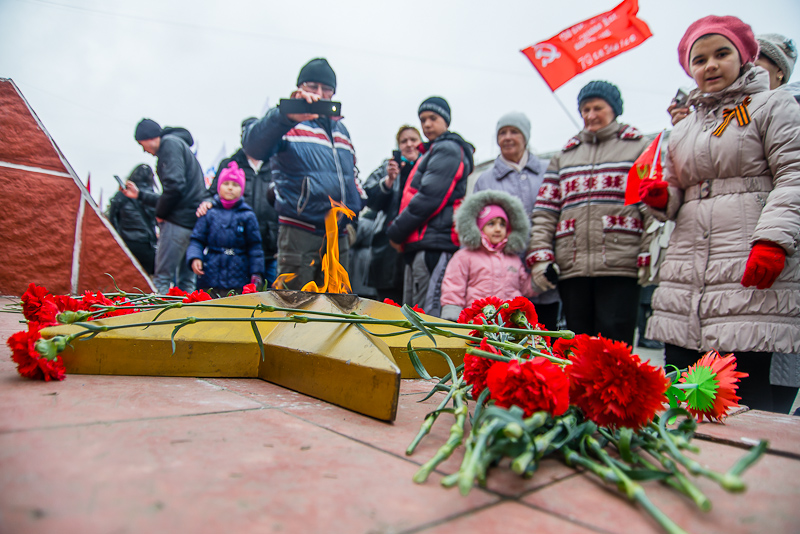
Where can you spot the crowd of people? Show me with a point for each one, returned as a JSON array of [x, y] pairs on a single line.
[[557, 232]]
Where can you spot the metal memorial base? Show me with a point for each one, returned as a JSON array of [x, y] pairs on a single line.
[[331, 361]]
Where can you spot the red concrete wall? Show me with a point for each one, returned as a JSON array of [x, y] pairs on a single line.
[[38, 214], [22, 142], [100, 254], [37, 230]]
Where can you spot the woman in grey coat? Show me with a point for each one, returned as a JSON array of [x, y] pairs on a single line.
[[730, 279], [519, 173]]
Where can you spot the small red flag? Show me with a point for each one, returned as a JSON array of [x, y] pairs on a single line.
[[588, 43], [89, 183], [646, 167]]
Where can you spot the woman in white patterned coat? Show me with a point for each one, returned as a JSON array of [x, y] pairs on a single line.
[[582, 227]]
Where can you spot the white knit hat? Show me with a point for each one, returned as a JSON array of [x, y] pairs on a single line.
[[517, 120]]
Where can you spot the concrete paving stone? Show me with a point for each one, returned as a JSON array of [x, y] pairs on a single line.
[[393, 438], [82, 399], [508, 516], [253, 471], [769, 504], [747, 428]]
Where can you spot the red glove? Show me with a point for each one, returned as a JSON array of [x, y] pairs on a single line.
[[765, 263], [654, 193]]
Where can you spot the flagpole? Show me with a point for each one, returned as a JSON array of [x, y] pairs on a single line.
[[571, 117]]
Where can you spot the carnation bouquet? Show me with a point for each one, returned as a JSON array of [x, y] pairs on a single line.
[[522, 393], [586, 400]]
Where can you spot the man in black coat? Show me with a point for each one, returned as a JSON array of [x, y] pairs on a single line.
[[424, 229], [183, 189], [259, 194]]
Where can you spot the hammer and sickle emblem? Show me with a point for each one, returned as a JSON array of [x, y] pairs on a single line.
[[547, 53]]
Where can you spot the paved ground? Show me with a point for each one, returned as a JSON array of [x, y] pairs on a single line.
[[104, 454]]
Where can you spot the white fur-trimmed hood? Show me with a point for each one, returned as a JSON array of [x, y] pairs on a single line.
[[467, 226]]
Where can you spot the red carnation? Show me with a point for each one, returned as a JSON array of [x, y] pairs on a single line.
[[39, 306], [479, 310], [476, 367], [176, 292], [124, 307], [30, 363], [249, 288], [67, 303], [563, 348], [535, 385], [393, 303], [613, 387], [520, 312], [197, 296], [89, 300]]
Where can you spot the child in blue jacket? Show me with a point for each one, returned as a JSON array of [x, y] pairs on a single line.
[[225, 251]]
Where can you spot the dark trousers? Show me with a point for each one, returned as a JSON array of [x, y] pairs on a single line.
[[301, 252], [548, 314], [605, 305], [755, 390], [145, 253]]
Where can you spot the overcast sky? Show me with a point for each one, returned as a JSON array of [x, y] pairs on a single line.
[[92, 69]]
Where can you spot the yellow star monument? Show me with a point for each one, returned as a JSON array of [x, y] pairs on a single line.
[[338, 362]]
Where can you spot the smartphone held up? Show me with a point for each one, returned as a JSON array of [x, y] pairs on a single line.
[[320, 107]]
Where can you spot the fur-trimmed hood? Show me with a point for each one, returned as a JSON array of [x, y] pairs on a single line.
[[467, 226]]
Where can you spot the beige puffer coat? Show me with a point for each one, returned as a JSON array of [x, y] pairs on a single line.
[[726, 193], [580, 220]]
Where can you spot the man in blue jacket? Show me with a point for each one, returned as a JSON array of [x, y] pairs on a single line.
[[313, 162], [183, 189]]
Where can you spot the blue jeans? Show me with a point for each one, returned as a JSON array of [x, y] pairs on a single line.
[[171, 266]]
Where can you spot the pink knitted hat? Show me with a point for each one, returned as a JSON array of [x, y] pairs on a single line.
[[739, 33], [490, 212], [231, 173]]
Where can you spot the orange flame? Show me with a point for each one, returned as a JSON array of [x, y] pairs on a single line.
[[336, 279]]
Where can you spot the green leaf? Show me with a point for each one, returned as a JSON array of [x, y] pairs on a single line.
[[260, 341], [171, 306], [415, 361], [188, 321], [416, 320], [625, 437], [115, 283], [480, 403]]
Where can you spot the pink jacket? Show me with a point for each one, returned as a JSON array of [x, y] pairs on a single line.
[[475, 274]]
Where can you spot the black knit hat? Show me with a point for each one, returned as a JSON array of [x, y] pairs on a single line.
[[317, 70], [607, 91], [147, 129], [438, 105]]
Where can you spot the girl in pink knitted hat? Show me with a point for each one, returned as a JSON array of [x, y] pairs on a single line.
[[225, 252]]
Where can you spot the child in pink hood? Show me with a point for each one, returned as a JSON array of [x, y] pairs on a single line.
[[492, 227]]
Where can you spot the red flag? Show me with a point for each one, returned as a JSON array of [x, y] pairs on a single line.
[[646, 167], [588, 43], [89, 183]]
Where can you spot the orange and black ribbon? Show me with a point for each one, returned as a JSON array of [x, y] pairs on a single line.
[[741, 114]]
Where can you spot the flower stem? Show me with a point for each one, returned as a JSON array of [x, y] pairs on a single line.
[[453, 441], [427, 424], [633, 490]]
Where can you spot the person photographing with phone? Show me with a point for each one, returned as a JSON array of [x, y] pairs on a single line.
[[313, 162], [384, 190], [134, 221]]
